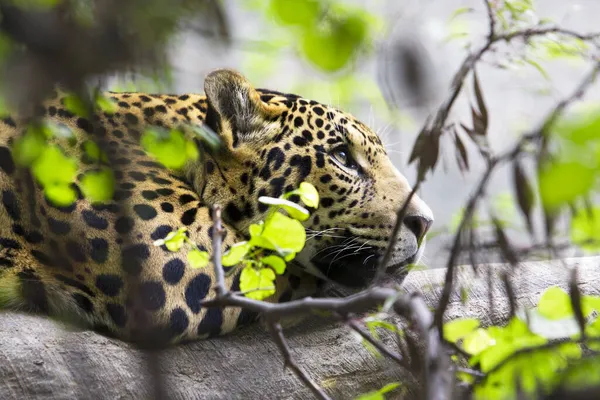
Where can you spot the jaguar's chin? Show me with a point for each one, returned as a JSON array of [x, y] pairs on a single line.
[[357, 270]]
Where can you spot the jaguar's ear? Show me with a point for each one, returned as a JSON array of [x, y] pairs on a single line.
[[240, 113]]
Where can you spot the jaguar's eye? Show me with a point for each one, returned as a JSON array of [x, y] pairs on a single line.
[[342, 156]]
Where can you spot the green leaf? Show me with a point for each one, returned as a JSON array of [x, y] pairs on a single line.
[[585, 229], [584, 373], [61, 195], [169, 148], [191, 150], [344, 34], [52, 168], [197, 258], [29, 146], [274, 262], [459, 328], [563, 182], [555, 304], [105, 104], [235, 254], [297, 12], [255, 230], [309, 195], [92, 150], [580, 128], [98, 186], [282, 233], [294, 210], [477, 341], [75, 105], [258, 283], [174, 240]]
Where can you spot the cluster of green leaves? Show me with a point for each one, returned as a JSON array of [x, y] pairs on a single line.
[[39, 148], [518, 356], [272, 243]]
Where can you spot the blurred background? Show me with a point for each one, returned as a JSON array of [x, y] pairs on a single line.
[[382, 89]]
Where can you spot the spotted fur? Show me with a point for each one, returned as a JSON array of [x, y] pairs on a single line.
[[75, 262]]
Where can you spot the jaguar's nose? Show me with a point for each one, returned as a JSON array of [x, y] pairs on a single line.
[[418, 224]]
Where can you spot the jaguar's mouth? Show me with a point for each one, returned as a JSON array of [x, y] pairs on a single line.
[[357, 269]]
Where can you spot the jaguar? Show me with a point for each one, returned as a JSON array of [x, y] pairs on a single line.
[[90, 263]]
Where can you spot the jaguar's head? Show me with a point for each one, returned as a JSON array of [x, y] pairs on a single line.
[[274, 141]]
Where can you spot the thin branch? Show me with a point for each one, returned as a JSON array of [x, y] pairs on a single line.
[[437, 374], [377, 344], [536, 135], [394, 237], [491, 19], [458, 80], [217, 241], [279, 339]]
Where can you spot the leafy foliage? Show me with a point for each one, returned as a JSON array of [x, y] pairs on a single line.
[[273, 242], [515, 358]]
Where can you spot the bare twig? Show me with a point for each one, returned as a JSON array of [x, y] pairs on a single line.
[[536, 135], [458, 80], [377, 344], [217, 240], [491, 19], [279, 339]]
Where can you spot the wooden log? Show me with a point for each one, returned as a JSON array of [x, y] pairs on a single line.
[[39, 359]]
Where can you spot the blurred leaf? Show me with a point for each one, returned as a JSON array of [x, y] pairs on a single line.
[[52, 167], [581, 374], [477, 341], [426, 150], [524, 193], [98, 186], [563, 182], [105, 104], [480, 119], [92, 150], [28, 147], [462, 157], [169, 148], [459, 328], [581, 128], [76, 105], [555, 304], [259, 283], [61, 195], [585, 230], [297, 12], [346, 34]]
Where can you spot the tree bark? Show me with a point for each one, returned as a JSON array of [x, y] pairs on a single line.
[[39, 359]]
